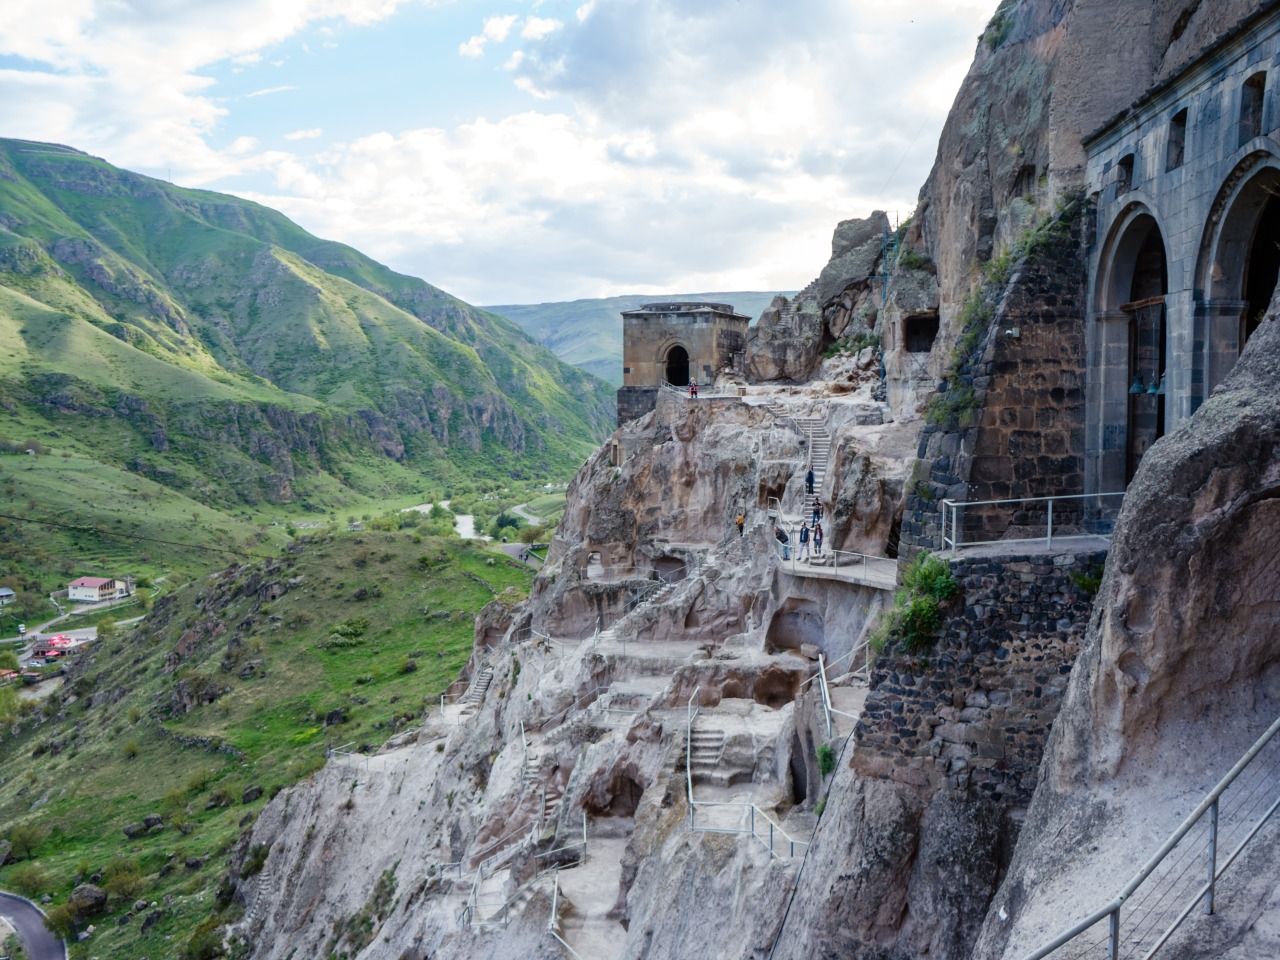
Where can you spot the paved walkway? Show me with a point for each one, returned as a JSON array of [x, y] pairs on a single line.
[[878, 572]]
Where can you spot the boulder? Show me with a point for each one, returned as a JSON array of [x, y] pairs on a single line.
[[87, 900], [855, 251], [134, 830]]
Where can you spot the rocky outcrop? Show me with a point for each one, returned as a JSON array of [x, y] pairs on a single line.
[[1168, 694]]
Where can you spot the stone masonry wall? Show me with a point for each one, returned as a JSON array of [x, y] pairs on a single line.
[[975, 714], [1023, 435]]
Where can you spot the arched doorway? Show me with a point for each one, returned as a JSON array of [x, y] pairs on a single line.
[[1130, 348], [1262, 268], [1240, 262], [678, 366], [1148, 335]]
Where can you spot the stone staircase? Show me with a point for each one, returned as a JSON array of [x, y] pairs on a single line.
[[706, 747], [819, 452], [534, 787], [475, 694], [263, 894]]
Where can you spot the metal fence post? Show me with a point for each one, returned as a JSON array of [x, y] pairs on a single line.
[[1213, 856], [955, 529], [1050, 526], [1113, 942]]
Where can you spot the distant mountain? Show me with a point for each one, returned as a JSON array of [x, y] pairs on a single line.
[[588, 333], [211, 344]]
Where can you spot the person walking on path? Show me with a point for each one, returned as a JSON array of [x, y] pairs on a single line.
[[808, 481], [804, 541], [692, 392], [817, 511], [783, 539], [742, 519], [817, 539]]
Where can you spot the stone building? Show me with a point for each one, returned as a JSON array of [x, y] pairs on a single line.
[[1186, 188], [675, 342]]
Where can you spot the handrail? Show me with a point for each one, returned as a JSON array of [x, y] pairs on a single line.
[[749, 808], [554, 920], [953, 507], [504, 908], [1205, 893]]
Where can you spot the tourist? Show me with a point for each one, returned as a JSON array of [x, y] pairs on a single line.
[[694, 387], [817, 539], [804, 541], [742, 519], [817, 511], [693, 392], [808, 481], [783, 539]]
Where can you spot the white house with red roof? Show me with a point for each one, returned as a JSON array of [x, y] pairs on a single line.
[[97, 589]]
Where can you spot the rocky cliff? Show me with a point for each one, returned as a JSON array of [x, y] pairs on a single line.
[[1179, 674]]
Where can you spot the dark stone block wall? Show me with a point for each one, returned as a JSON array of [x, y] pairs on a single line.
[[635, 402], [1025, 434], [975, 714]]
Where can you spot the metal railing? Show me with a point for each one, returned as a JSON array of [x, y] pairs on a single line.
[[828, 710], [751, 819], [553, 921], [1183, 873], [1037, 514], [347, 755], [499, 913]]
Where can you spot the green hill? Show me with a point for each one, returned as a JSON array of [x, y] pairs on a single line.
[[233, 688], [210, 344], [588, 333]]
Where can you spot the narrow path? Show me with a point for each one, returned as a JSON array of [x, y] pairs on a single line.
[[29, 921]]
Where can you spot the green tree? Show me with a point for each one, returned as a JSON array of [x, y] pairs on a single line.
[[25, 837], [8, 660]]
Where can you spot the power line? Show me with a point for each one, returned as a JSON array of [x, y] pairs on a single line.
[[894, 172], [134, 536]]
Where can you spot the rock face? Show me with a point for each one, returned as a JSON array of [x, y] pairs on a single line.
[[1170, 693]]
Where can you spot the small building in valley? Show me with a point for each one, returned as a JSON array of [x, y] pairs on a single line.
[[7, 596], [99, 589]]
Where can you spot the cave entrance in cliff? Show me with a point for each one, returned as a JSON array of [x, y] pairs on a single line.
[[678, 366], [796, 622]]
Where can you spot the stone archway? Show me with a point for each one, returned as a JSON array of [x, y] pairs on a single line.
[[1130, 357], [1239, 263], [677, 364]]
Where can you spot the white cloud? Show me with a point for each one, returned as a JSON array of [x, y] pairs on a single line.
[[269, 90], [496, 29], [670, 145], [535, 28]]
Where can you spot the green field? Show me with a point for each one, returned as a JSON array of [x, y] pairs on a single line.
[[369, 634]]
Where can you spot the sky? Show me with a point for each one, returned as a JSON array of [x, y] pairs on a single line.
[[515, 151]]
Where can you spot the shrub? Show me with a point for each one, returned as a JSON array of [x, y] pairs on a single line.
[[913, 621], [255, 861], [826, 759], [29, 879], [123, 878], [131, 750], [820, 807], [912, 259], [61, 921], [1088, 582], [408, 664]]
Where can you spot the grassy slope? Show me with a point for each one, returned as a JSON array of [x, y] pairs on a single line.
[[92, 788], [588, 333]]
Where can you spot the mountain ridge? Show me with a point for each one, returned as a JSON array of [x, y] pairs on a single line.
[[218, 330]]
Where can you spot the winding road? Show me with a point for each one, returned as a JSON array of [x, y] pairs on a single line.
[[29, 920]]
